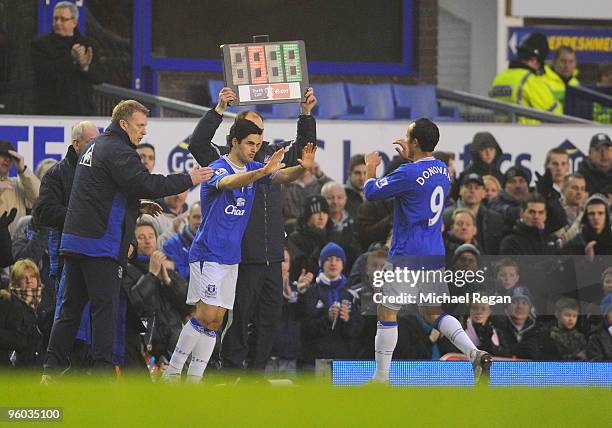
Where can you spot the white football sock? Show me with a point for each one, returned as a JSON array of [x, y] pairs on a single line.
[[452, 329], [384, 345], [200, 355], [190, 334]]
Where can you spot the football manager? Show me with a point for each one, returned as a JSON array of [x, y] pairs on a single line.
[[104, 205]]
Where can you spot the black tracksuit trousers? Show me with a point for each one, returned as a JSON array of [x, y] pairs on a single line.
[[97, 279]]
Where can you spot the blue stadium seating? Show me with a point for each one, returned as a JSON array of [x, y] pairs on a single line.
[[332, 101], [414, 101], [279, 111], [380, 101], [373, 101]]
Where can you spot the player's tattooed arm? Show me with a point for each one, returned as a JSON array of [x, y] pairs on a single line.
[[307, 162]]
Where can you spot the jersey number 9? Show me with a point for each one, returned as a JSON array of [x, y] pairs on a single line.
[[436, 203]]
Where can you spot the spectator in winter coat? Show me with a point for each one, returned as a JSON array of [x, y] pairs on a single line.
[[563, 341], [462, 231], [21, 342], [489, 223], [528, 236], [156, 292], [519, 326], [177, 247], [310, 236], [287, 348], [354, 184], [599, 347], [485, 157], [492, 188], [16, 192], [574, 195], [296, 192], [595, 236], [341, 225], [330, 322], [597, 168], [508, 201], [479, 327]]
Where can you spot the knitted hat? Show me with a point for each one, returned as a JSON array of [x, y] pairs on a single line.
[[522, 293], [332, 249], [466, 248], [516, 171], [314, 204]]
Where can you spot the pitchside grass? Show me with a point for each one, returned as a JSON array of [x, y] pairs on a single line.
[[90, 402]]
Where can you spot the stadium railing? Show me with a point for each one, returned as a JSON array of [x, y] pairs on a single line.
[[473, 108], [592, 103], [107, 96]]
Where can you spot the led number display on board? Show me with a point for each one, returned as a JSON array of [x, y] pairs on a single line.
[[266, 73]]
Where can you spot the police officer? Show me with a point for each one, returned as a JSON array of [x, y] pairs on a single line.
[[99, 226], [521, 84], [561, 73]]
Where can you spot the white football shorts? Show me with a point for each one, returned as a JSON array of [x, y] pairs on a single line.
[[212, 283]]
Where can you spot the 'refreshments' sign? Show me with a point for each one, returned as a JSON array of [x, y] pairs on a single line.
[[591, 45]]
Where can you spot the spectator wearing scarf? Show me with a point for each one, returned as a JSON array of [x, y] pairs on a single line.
[[330, 322]]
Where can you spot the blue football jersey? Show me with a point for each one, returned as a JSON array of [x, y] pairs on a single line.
[[420, 190], [225, 214]]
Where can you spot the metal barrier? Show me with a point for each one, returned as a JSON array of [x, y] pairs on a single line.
[[107, 96], [475, 106], [589, 103]]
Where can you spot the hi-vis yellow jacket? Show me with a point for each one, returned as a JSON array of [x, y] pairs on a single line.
[[556, 84], [520, 85]]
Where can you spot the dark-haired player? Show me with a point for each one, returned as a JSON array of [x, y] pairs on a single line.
[[420, 189], [226, 201]]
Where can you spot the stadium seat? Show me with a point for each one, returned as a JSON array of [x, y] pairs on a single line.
[[279, 111], [414, 101], [332, 102], [214, 87], [374, 101]]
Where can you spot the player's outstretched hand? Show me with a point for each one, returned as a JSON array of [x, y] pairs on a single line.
[[373, 159], [308, 156], [274, 164], [309, 103], [199, 174], [402, 150], [226, 96], [150, 207]]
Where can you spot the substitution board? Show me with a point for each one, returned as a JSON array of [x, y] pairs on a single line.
[[266, 73]]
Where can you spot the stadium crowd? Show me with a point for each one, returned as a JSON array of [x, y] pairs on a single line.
[[548, 248]]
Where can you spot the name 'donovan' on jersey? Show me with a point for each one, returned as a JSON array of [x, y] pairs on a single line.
[[432, 170]]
